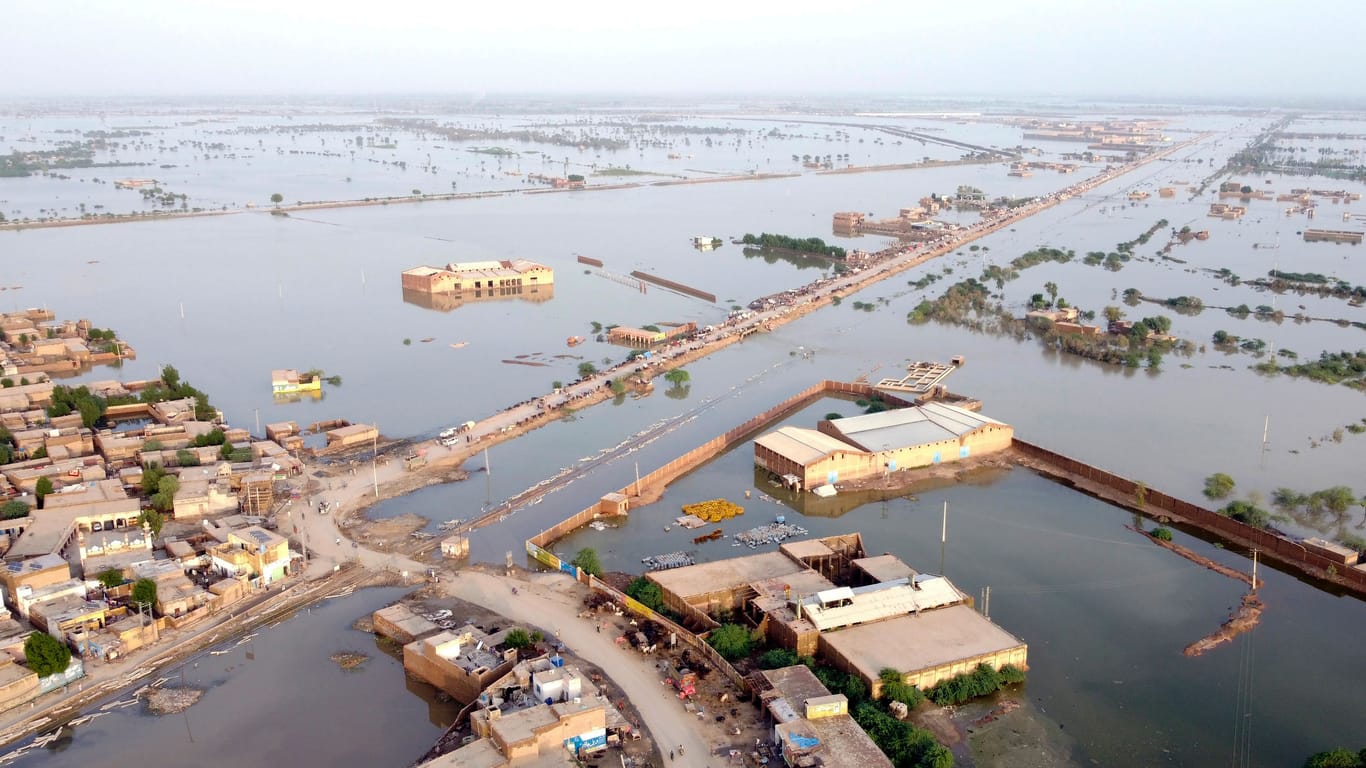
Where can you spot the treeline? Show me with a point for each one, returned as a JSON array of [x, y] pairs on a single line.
[[92, 407], [1129, 245], [801, 244], [1343, 367]]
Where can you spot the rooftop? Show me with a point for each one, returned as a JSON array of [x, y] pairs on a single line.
[[725, 574], [843, 607], [920, 641], [802, 445], [917, 425], [884, 568]]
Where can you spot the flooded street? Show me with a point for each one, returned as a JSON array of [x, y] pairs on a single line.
[[1105, 613]]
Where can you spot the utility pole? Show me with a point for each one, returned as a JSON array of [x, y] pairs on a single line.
[[374, 459], [943, 537], [258, 422], [1254, 570], [986, 608], [637, 493]]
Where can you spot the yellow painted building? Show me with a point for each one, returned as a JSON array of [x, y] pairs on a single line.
[[860, 447]]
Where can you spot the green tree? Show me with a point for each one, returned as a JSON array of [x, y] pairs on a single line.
[[111, 577], [145, 593], [518, 638], [586, 370], [587, 560], [277, 198], [153, 519], [1113, 313], [13, 509], [647, 593], [777, 658], [186, 458], [42, 489], [1163, 534], [164, 499], [677, 377], [1218, 486], [1337, 758], [894, 688], [732, 641], [170, 376], [46, 655]]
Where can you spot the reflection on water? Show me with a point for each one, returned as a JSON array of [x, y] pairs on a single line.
[[445, 302]]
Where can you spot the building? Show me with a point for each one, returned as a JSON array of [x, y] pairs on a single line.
[[862, 447], [18, 684], [252, 551], [810, 726], [460, 662], [645, 337], [351, 435], [23, 576], [287, 381], [399, 623], [474, 276], [1335, 552], [826, 598], [925, 647]]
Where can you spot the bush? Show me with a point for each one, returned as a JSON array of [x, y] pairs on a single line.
[[1161, 533], [518, 638], [46, 654], [13, 509], [647, 593], [1246, 512], [896, 689], [731, 641], [1337, 758], [982, 681], [778, 658]]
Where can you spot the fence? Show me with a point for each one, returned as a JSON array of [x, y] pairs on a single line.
[[1268, 543]]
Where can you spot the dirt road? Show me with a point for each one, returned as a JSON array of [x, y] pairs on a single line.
[[552, 601]]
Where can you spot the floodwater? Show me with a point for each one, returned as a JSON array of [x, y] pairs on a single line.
[[264, 700], [1105, 614]]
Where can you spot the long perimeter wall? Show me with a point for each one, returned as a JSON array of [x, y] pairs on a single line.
[[1269, 544]]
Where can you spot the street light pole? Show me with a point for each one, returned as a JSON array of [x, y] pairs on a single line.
[[374, 458]]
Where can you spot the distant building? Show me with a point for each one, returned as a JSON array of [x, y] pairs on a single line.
[[477, 276]]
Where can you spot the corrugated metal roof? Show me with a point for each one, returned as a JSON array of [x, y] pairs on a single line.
[[802, 446], [918, 425]]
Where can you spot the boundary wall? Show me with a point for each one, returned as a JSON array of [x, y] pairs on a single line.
[[1268, 543]]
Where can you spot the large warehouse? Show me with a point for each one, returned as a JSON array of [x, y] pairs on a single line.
[[860, 447]]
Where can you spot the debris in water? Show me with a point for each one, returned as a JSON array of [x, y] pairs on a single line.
[[349, 659], [171, 701]]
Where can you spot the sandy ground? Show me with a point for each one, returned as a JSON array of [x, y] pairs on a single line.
[[1020, 738], [553, 602]]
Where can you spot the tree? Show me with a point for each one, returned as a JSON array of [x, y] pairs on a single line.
[[111, 577], [153, 520], [42, 489], [170, 376], [1052, 289], [586, 370], [164, 499], [277, 198], [677, 377], [1218, 486], [46, 655], [13, 509], [1337, 758], [832, 416], [587, 560], [731, 641], [1162, 534], [518, 638], [145, 592], [647, 593]]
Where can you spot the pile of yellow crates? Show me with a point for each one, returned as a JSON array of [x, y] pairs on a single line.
[[714, 511]]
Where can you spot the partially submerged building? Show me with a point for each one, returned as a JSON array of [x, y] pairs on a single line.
[[461, 662], [861, 447], [473, 276]]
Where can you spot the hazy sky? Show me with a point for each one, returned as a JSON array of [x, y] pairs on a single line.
[[1067, 47]]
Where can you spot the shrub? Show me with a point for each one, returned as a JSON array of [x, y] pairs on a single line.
[[518, 638], [1161, 533], [12, 509], [731, 641], [646, 593], [982, 681], [896, 689], [777, 658]]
